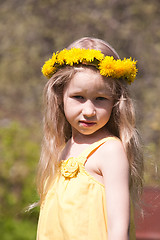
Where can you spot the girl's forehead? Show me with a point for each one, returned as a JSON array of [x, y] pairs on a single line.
[[89, 80]]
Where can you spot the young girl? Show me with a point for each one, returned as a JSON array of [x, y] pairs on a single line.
[[91, 165]]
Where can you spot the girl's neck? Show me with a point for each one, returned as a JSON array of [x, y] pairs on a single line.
[[79, 138], [79, 142]]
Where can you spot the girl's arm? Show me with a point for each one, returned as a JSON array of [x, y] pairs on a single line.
[[115, 169]]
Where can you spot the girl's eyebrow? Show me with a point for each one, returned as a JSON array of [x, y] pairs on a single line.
[[76, 92], [97, 94], [104, 92]]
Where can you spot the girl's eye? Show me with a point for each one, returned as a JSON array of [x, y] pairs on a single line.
[[101, 98], [78, 97]]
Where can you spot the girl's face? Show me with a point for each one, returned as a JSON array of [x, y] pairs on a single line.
[[87, 102]]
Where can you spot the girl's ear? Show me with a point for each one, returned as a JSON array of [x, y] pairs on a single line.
[[60, 102], [61, 107]]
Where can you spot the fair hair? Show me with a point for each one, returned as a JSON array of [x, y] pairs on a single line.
[[57, 131]]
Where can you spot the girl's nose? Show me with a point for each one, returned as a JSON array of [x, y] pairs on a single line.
[[88, 109]]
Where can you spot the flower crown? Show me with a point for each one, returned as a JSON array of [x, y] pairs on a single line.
[[108, 66]]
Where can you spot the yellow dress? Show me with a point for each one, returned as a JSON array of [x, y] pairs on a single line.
[[75, 206]]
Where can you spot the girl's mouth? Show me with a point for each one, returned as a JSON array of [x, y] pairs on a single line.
[[87, 123]]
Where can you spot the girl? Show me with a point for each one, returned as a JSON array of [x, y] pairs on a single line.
[[90, 165]]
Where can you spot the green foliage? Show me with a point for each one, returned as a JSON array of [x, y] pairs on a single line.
[[17, 230], [19, 156]]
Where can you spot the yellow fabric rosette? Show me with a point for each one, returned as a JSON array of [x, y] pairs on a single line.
[[69, 168]]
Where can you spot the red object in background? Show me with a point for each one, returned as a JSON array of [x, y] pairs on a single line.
[[148, 227]]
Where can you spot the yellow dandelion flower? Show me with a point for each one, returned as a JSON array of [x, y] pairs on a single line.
[[74, 56], [106, 66], [48, 68], [61, 57], [125, 69], [92, 54], [130, 69], [119, 69], [77, 55]]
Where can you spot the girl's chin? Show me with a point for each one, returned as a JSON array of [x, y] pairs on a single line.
[[90, 132]]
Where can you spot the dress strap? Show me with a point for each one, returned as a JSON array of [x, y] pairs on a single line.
[[92, 148]]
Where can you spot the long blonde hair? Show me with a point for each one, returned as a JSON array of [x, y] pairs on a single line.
[[57, 131]]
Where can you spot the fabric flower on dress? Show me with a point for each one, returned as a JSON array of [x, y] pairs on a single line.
[[69, 168]]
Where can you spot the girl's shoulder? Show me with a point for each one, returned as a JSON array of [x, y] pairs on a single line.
[[112, 152], [112, 143]]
